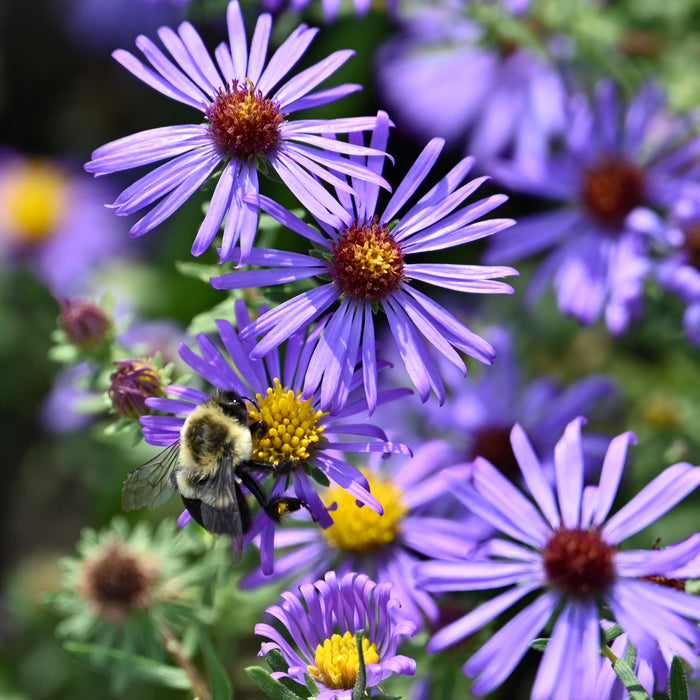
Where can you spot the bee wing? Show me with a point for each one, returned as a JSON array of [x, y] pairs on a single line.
[[150, 484], [228, 513]]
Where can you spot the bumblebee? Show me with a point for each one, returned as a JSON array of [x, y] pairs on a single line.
[[206, 466]]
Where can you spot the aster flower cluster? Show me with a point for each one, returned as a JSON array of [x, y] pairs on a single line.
[[362, 418]]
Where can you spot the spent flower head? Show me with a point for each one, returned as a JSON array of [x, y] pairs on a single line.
[[564, 548], [316, 634], [247, 127], [368, 265]]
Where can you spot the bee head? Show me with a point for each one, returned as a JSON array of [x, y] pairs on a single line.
[[233, 405]]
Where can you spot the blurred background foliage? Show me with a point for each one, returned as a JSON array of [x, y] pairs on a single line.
[[62, 95]]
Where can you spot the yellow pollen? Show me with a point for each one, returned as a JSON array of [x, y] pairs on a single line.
[[362, 529], [292, 425], [33, 201], [338, 663]]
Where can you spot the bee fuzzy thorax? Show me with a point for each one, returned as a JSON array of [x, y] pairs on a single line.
[[207, 435]]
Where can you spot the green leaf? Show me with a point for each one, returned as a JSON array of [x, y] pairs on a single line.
[[612, 633], [272, 688], [140, 667], [218, 678], [678, 683], [629, 679], [539, 644]]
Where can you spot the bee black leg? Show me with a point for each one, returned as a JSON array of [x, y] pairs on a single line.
[[259, 427], [278, 506]]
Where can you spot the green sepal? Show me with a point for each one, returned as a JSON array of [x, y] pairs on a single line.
[[539, 644], [271, 687], [316, 474], [629, 679], [678, 683], [360, 687], [612, 633], [276, 661]]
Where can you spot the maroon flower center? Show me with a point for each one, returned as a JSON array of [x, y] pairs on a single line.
[[243, 123], [612, 189], [493, 443], [579, 561], [691, 244], [367, 262]]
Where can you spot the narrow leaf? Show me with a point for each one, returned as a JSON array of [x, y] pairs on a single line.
[[678, 683], [272, 688]]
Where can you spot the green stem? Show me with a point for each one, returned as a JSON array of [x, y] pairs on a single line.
[[174, 648]]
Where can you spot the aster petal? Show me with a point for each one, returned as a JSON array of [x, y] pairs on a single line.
[[147, 147], [666, 561], [534, 475], [657, 498], [286, 57], [414, 353], [184, 48], [501, 504], [258, 48], [242, 217], [173, 201], [238, 41], [322, 97], [291, 221], [570, 663], [303, 309], [441, 576], [568, 464], [413, 178], [610, 475], [305, 81], [218, 206], [501, 654], [435, 538], [181, 92], [462, 278]]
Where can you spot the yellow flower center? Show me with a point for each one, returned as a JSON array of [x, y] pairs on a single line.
[[338, 663], [33, 201], [362, 529], [292, 425]]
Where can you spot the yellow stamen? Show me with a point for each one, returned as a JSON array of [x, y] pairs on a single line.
[[338, 663], [362, 529], [292, 423], [33, 201]]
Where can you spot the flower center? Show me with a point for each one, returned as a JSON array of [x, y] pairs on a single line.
[[579, 561], [243, 123], [367, 262], [493, 443], [34, 201], [292, 422], [337, 662], [360, 529], [116, 581], [612, 189], [131, 384]]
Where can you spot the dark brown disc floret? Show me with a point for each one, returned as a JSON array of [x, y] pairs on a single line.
[[367, 262], [243, 123], [579, 561], [612, 189]]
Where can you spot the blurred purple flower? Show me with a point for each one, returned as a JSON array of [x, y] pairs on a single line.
[[439, 77], [385, 547], [329, 8], [316, 634], [616, 166], [273, 385], [562, 548], [245, 128], [366, 266], [53, 218]]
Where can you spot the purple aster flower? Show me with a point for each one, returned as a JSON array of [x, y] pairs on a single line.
[[616, 166], [49, 213], [679, 270], [317, 635], [562, 547], [478, 415], [385, 547], [298, 430], [368, 266], [498, 100], [329, 8], [245, 124]]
